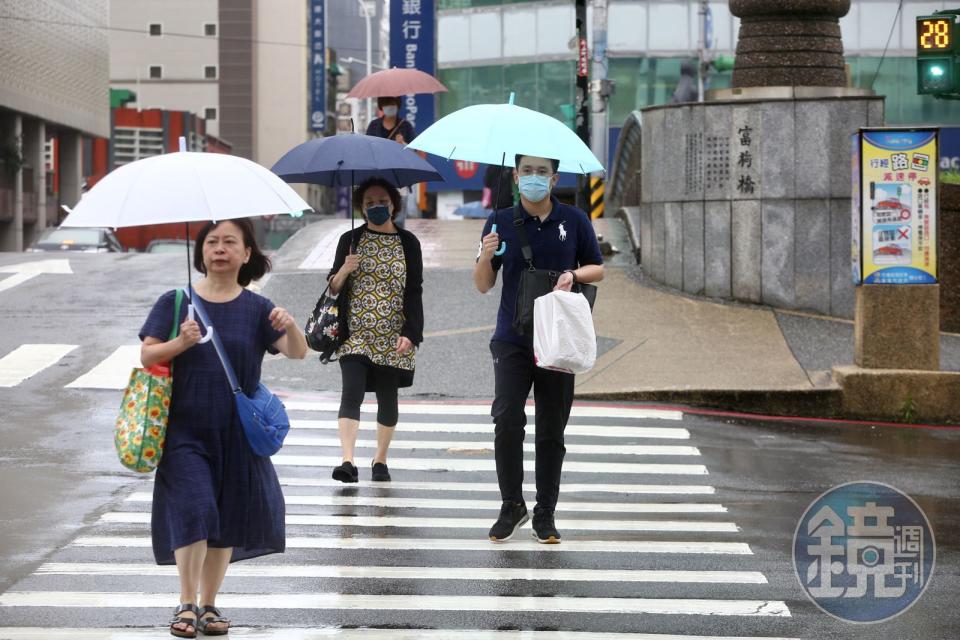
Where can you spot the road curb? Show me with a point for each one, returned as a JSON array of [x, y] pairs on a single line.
[[814, 403]]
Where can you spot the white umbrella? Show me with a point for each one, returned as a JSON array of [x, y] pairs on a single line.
[[184, 187]]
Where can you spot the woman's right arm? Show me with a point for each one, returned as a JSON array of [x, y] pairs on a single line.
[[154, 351], [344, 263]]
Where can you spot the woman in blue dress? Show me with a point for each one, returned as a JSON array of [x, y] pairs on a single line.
[[214, 500]]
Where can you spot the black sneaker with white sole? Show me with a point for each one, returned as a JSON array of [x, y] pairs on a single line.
[[512, 517], [544, 529]]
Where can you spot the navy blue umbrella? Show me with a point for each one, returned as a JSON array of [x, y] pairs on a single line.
[[351, 158]]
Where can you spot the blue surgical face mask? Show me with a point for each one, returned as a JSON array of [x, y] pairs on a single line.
[[378, 214], [534, 188], [390, 110]]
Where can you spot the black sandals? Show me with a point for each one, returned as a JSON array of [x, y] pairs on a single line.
[[217, 617], [191, 623]]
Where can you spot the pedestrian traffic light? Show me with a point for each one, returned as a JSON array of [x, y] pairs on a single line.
[[938, 54]]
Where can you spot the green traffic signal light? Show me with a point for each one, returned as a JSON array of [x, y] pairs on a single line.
[[937, 76]]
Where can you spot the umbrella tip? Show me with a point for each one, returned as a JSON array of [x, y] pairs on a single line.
[[183, 143], [512, 96]]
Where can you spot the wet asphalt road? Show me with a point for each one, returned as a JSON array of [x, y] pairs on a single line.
[[58, 478]]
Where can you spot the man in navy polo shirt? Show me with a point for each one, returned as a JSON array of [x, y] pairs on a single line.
[[562, 239]]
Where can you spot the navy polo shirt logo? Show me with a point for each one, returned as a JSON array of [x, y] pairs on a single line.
[[563, 233]]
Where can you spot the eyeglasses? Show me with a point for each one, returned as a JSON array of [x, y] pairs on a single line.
[[543, 172]]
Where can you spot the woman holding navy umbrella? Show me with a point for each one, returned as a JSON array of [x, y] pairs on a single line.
[[378, 274]]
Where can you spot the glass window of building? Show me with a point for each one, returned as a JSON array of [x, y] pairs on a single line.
[[210, 72], [210, 29], [156, 29], [156, 71]]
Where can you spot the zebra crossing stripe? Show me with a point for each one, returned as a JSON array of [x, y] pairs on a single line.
[[485, 505], [420, 602], [362, 633], [136, 517], [464, 544], [416, 573], [454, 445], [492, 487], [426, 408], [436, 464], [28, 360], [598, 430], [113, 372]]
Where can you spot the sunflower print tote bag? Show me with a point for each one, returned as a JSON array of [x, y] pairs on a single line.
[[142, 423]]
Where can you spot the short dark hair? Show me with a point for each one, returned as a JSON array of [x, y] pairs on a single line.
[[377, 182], [382, 100], [255, 268], [516, 161]]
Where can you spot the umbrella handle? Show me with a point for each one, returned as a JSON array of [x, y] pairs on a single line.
[[503, 245], [209, 330]]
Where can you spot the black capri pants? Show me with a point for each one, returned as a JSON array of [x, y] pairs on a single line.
[[356, 374]]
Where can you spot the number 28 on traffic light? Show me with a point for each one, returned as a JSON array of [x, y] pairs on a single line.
[[934, 34]]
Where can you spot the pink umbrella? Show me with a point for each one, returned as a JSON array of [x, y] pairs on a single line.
[[396, 82]]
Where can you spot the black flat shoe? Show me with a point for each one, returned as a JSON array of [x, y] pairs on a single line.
[[346, 472], [380, 472]]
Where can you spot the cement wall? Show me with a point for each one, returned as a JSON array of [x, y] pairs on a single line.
[[750, 200]]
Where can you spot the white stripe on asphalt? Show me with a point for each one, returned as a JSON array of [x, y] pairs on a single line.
[[428, 408], [288, 633], [131, 517], [436, 464], [416, 573], [455, 446], [113, 372], [625, 489], [595, 430], [465, 544], [28, 360], [485, 505], [356, 602]]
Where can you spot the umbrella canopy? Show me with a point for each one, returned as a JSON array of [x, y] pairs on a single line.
[[351, 158], [494, 133], [184, 187], [396, 82]]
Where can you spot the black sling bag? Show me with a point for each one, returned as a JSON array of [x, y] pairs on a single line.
[[536, 282]]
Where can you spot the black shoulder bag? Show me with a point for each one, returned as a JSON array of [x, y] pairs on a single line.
[[536, 282]]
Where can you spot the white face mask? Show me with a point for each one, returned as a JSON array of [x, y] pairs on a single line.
[[390, 110]]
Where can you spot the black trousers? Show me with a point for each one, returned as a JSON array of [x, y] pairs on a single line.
[[514, 373]]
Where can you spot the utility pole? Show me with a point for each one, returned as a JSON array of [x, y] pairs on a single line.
[[368, 10], [582, 101], [702, 46], [600, 90]]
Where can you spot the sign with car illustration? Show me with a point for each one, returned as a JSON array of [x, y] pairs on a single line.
[[894, 206]]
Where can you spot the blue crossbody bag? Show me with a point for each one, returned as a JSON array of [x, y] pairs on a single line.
[[264, 418]]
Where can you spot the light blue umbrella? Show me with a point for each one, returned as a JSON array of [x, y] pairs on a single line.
[[494, 133]]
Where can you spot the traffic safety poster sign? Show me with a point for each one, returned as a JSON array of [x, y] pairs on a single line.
[[895, 206]]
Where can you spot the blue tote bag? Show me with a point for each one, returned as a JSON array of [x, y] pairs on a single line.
[[264, 418]]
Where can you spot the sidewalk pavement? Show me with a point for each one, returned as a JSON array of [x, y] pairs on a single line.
[[660, 345]]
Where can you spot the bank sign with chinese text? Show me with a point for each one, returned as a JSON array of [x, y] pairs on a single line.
[[318, 67], [894, 206], [412, 46]]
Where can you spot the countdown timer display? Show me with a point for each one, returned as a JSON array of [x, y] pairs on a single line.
[[935, 34]]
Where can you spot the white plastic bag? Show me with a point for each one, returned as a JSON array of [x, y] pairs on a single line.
[[563, 335]]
